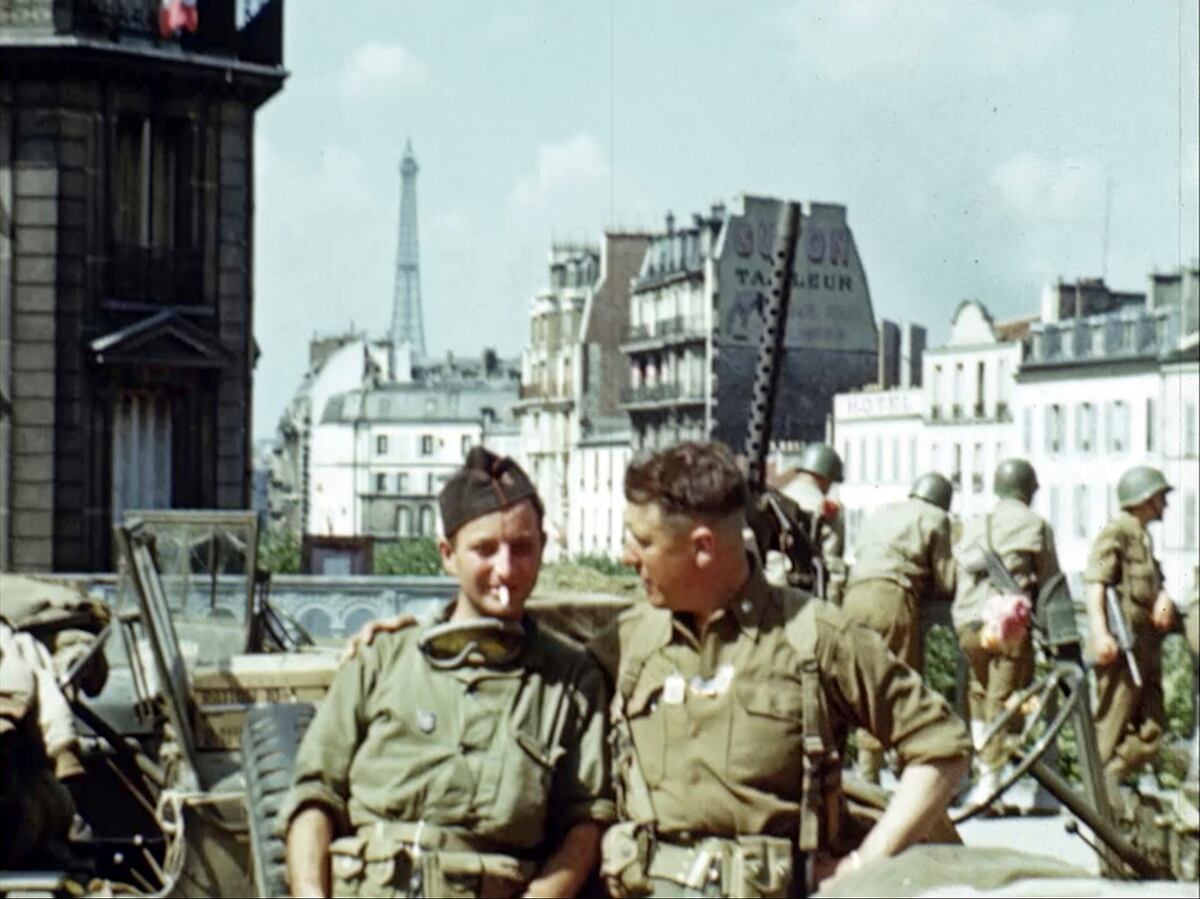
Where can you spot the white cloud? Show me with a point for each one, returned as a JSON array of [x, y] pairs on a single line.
[[1031, 187], [567, 167], [869, 37], [379, 68]]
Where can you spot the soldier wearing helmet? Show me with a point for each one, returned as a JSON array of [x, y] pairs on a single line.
[[902, 557], [820, 468], [1130, 720], [1024, 542]]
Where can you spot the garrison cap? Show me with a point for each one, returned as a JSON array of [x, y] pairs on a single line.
[[485, 483]]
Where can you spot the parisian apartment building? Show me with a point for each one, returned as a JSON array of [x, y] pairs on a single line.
[[126, 298], [1094, 382]]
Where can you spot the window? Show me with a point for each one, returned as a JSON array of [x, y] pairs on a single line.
[[1189, 432], [980, 395], [381, 445], [151, 183], [141, 452], [430, 482], [1054, 428], [1027, 430], [956, 472], [1055, 512], [878, 459], [1191, 525], [466, 444], [1151, 426], [380, 483], [404, 521], [1117, 426], [426, 444], [912, 458], [426, 524], [402, 482], [977, 468], [1082, 510], [1085, 428]]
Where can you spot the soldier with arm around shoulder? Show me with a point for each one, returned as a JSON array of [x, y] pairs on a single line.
[[1130, 719], [718, 666], [465, 758]]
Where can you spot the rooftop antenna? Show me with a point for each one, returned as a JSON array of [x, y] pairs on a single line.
[[1108, 190]]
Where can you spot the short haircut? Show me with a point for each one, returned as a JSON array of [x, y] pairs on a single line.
[[698, 479]]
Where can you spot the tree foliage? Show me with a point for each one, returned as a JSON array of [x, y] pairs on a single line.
[[279, 551], [412, 555]]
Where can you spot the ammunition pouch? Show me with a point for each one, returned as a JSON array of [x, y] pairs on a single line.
[[404, 859], [751, 866]]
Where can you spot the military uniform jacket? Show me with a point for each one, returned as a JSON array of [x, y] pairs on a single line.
[[907, 543], [1122, 556], [511, 757], [1022, 539], [831, 533], [717, 723]]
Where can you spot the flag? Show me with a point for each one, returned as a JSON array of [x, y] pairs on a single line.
[[177, 15]]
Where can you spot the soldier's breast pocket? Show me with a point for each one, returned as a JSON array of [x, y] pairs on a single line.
[[765, 742], [648, 727], [1141, 574]]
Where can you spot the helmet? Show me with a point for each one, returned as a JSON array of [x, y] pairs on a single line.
[[822, 460], [1139, 484], [933, 488], [1016, 479]]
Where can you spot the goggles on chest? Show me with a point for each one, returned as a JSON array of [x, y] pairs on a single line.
[[487, 642]]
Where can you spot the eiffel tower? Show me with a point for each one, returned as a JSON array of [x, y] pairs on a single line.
[[407, 325]]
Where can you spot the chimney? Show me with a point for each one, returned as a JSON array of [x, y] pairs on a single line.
[[670, 223]]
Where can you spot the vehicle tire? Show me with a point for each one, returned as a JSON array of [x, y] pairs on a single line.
[[270, 738]]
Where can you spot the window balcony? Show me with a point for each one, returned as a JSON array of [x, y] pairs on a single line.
[[956, 411], [660, 395], [248, 30], [675, 330], [153, 275]]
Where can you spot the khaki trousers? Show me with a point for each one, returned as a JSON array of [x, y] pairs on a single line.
[[891, 611], [1131, 720], [994, 677]]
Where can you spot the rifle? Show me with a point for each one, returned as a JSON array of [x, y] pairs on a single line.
[[1120, 629], [778, 523]]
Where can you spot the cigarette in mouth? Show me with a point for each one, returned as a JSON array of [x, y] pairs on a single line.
[[502, 596]]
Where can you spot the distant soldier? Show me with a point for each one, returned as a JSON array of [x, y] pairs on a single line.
[[1130, 719], [1024, 542], [903, 557], [820, 468]]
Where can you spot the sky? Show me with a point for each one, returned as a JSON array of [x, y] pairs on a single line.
[[975, 145]]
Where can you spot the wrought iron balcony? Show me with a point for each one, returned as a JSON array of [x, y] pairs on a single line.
[[677, 329], [249, 30], [154, 275], [652, 394]]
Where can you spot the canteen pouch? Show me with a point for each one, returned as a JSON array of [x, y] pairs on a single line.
[[461, 875], [760, 867], [624, 858]]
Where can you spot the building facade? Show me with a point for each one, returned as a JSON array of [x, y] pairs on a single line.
[[695, 320], [380, 453], [571, 380], [1100, 381], [126, 261]]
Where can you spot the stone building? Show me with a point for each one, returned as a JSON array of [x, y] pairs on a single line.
[[571, 379], [126, 261], [695, 319]]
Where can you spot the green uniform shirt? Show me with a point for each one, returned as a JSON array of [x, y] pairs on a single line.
[[907, 543], [1122, 556], [510, 756], [717, 723], [1023, 541], [831, 533]]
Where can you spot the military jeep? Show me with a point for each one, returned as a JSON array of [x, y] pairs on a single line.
[[182, 750]]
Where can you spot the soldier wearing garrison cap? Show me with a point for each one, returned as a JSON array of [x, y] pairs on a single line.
[[903, 558], [1130, 718], [466, 757]]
